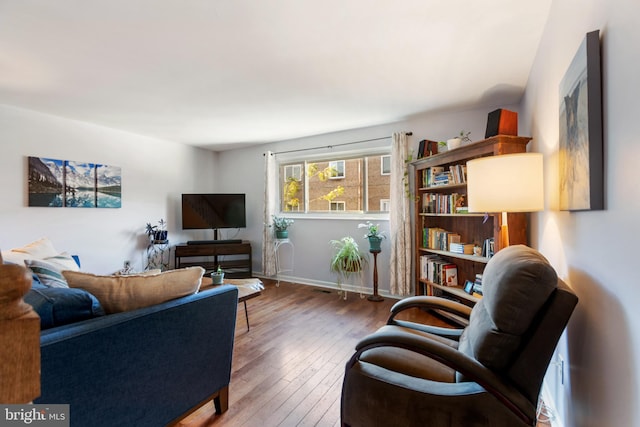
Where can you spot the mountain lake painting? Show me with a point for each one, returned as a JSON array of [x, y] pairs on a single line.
[[67, 183]]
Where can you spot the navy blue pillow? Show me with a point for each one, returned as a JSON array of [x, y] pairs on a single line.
[[61, 306]]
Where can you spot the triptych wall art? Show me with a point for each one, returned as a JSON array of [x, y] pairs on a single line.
[[581, 131], [67, 183]]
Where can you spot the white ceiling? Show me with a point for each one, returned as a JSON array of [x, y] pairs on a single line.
[[218, 73]]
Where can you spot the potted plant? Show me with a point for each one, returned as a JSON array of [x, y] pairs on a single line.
[[458, 140], [348, 258], [157, 233], [281, 225], [374, 235], [217, 277]]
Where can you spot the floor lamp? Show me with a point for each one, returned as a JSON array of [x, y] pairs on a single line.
[[505, 183]]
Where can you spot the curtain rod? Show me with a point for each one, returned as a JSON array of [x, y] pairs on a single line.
[[335, 145]]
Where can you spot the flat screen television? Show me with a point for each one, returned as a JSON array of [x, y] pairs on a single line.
[[213, 211]]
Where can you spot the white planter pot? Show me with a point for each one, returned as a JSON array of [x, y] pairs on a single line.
[[454, 143]]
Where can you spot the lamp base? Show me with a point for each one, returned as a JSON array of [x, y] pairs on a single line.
[[504, 231]]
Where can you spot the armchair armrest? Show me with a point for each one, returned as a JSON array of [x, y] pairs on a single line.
[[434, 303], [473, 370]]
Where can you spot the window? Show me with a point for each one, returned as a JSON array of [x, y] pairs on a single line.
[[337, 206], [337, 169], [347, 185], [293, 171], [385, 165], [292, 188]]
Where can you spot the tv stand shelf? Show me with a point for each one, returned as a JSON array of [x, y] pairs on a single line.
[[234, 258]]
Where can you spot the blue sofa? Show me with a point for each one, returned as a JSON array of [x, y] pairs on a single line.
[[147, 367]]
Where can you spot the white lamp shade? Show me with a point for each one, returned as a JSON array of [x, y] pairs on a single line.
[[506, 183]]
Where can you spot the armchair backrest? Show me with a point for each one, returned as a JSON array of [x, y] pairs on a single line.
[[515, 327]]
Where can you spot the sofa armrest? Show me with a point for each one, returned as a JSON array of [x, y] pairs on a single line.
[[143, 367]]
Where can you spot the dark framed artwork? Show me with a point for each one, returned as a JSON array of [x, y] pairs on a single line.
[[581, 133], [67, 183]]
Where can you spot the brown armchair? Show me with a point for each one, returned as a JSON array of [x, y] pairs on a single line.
[[486, 374]]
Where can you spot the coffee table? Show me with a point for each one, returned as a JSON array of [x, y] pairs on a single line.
[[247, 289]]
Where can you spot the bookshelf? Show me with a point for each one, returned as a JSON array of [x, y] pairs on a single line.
[[438, 209]]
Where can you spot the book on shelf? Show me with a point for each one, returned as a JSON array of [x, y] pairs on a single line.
[[441, 178], [429, 174], [488, 248], [458, 174], [438, 238], [477, 284], [437, 270], [450, 272], [442, 203], [461, 248]]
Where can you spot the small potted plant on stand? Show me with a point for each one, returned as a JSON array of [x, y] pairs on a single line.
[[158, 233], [347, 260], [374, 235], [217, 277], [281, 225]]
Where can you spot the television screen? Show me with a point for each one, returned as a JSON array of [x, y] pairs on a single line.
[[203, 211]]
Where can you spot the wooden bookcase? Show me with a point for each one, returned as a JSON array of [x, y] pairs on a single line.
[[472, 228]]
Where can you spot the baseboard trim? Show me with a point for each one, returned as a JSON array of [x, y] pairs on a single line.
[[364, 290]]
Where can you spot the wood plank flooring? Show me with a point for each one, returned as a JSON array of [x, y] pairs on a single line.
[[288, 369]]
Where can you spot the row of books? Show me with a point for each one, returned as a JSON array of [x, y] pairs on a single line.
[[443, 203], [436, 270], [439, 175], [438, 238]]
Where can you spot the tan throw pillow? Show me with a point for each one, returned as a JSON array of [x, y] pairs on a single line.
[[124, 293], [39, 249]]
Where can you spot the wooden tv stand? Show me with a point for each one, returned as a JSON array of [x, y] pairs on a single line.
[[234, 258]]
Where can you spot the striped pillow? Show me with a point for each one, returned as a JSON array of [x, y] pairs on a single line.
[[49, 271]]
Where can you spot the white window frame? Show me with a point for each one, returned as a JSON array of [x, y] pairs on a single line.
[[382, 171], [337, 203], [294, 171], [334, 166], [305, 160]]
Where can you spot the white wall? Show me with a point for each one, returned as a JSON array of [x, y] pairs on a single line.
[[594, 251], [242, 170], [154, 174]]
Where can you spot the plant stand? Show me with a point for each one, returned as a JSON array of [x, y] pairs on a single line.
[[277, 248], [375, 297], [158, 255]]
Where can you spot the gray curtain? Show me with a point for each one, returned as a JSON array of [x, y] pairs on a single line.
[[400, 218]]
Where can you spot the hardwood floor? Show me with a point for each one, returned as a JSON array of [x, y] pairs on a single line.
[[288, 369]]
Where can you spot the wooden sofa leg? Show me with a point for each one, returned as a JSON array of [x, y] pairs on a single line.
[[221, 401]]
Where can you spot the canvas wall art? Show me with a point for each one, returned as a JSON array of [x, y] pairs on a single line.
[[581, 143], [68, 183]]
